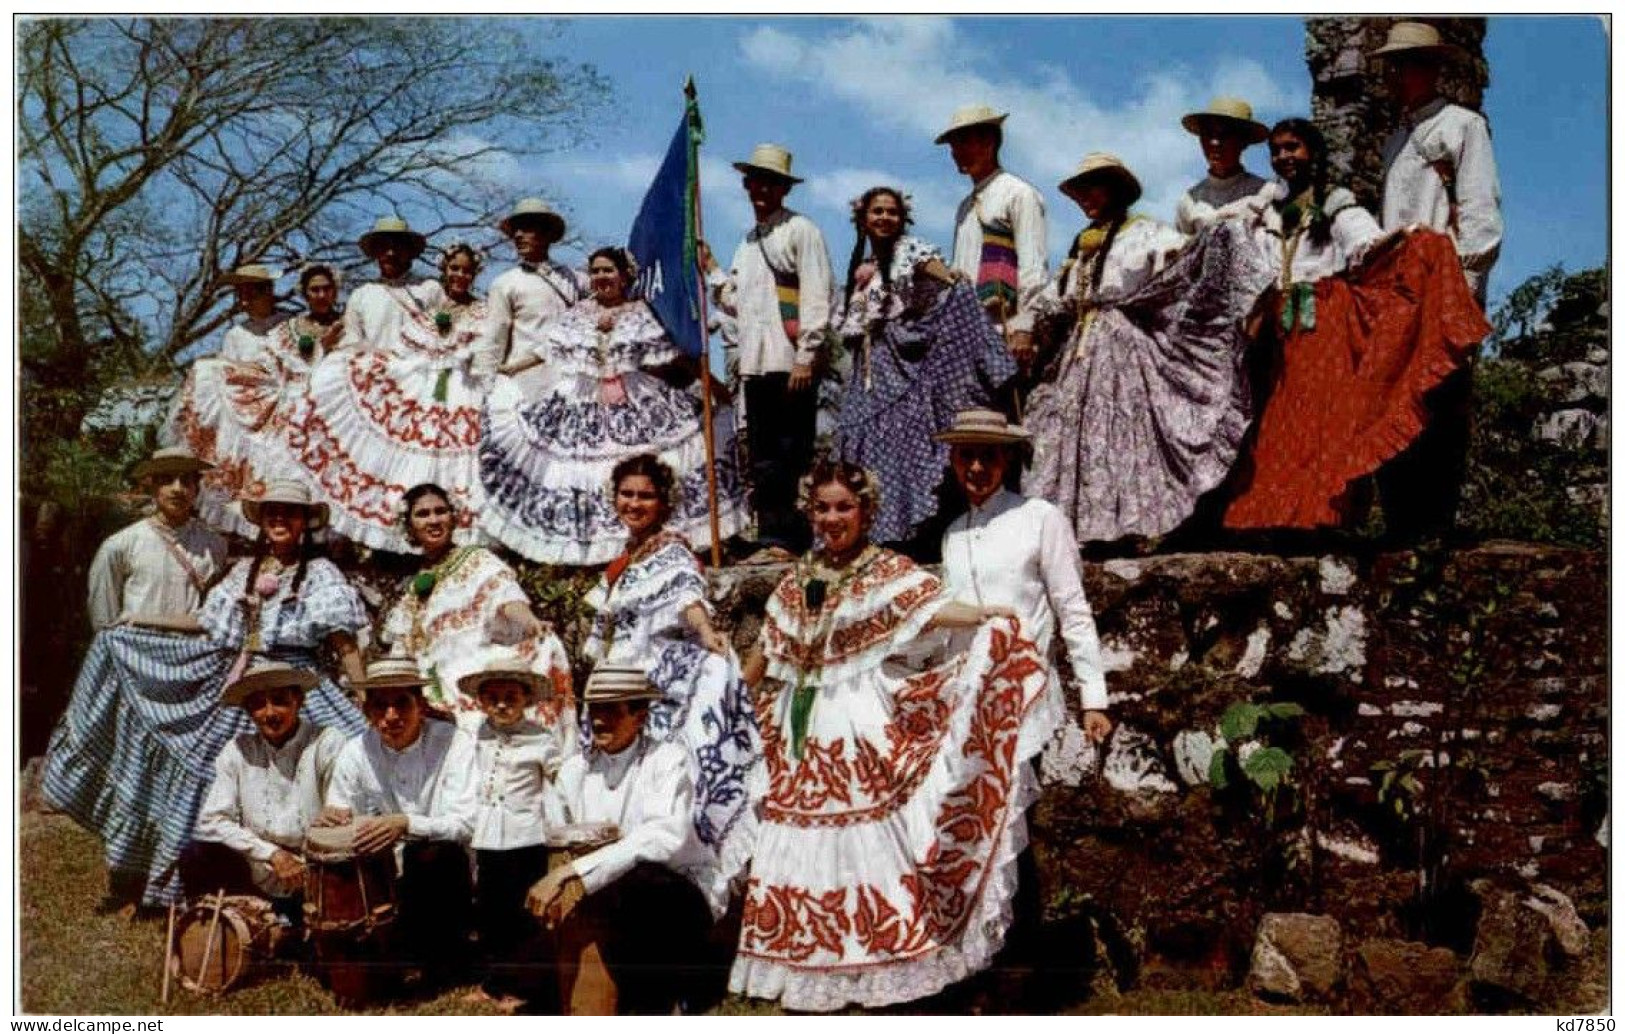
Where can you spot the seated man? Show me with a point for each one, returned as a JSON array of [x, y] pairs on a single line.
[[267, 789], [637, 900], [407, 783]]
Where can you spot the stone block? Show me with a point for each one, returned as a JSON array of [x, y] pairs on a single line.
[[1297, 957], [1406, 978]]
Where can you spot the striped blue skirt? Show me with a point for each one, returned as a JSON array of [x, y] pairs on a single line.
[[134, 754]]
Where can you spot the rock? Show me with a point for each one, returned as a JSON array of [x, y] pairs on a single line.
[[1336, 576], [1193, 756], [1524, 941], [1573, 429], [1577, 382], [1069, 758], [1568, 929], [1132, 765], [1405, 978], [1296, 956], [1339, 648]]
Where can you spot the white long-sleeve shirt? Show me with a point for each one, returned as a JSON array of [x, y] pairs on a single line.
[[1199, 205], [136, 572], [1413, 189], [431, 782], [375, 313], [513, 769], [1017, 552], [748, 293], [647, 791], [1003, 197], [264, 797], [523, 300]]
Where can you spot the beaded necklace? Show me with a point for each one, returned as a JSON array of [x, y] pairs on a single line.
[[822, 599]]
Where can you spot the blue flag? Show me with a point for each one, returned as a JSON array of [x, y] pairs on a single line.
[[663, 237]]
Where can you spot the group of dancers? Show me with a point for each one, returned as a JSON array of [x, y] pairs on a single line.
[[854, 787]]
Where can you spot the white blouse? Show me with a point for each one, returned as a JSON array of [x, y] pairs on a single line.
[[872, 299], [748, 293], [1354, 231], [1002, 197], [1199, 205], [647, 791], [136, 571], [1142, 249], [1017, 552], [254, 340], [513, 769], [377, 313], [431, 782]]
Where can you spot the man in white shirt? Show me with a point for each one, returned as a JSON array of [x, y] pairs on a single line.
[[523, 299], [999, 230], [267, 790], [1225, 129], [376, 312], [409, 781], [778, 290], [1439, 172], [639, 898], [161, 565]]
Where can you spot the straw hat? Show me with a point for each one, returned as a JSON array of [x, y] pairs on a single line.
[[1417, 36], [534, 209], [294, 493], [253, 273], [175, 459], [503, 664], [983, 427], [262, 674], [771, 159], [392, 673], [609, 683], [972, 115], [1234, 112], [392, 226], [1106, 166]]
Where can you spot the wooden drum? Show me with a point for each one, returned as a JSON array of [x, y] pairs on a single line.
[[220, 937], [586, 987], [349, 910]]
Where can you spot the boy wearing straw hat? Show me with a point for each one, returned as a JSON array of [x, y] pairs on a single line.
[[524, 298], [408, 784], [377, 311], [778, 290], [1439, 172], [642, 893], [1226, 128], [999, 230], [267, 789], [161, 565]]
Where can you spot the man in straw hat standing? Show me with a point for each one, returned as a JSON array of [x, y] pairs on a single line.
[[524, 298], [642, 896], [161, 565], [377, 311], [1438, 172], [1000, 232], [778, 290], [1225, 129], [408, 783], [267, 790]]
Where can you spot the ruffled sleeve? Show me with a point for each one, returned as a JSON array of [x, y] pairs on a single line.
[[876, 616], [327, 603], [221, 615], [652, 346]]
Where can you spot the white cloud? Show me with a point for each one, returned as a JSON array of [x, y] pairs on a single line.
[[909, 74]]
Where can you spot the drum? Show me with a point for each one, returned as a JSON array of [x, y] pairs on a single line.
[[586, 987], [349, 910], [220, 937]]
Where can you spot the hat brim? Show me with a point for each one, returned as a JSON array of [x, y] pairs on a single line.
[[983, 438], [1252, 132], [1124, 178], [536, 688], [254, 682], [763, 170], [369, 241], [553, 222], [237, 280], [1447, 50], [416, 682], [947, 134], [168, 466], [618, 696], [316, 513]]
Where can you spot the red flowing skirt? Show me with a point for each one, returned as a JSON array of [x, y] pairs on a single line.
[[1348, 395]]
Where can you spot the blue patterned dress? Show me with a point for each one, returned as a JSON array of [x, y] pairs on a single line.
[[920, 354], [707, 707], [133, 755]]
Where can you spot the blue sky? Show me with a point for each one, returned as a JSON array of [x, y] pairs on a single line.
[[860, 101]]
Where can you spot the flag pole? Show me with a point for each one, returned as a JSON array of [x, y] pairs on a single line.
[[690, 106]]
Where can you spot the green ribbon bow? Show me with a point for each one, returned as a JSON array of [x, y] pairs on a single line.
[[800, 712], [440, 385], [1298, 308]]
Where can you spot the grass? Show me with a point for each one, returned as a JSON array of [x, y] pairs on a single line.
[[75, 962]]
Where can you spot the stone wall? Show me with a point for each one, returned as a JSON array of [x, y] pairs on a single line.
[[1484, 677]]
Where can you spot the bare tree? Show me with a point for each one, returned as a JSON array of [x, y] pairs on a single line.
[[155, 154]]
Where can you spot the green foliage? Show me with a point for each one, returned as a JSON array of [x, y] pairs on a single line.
[[1249, 759], [559, 595]]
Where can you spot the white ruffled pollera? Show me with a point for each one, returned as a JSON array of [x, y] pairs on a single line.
[[545, 462], [885, 862]]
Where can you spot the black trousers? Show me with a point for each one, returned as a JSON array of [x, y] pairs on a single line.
[[506, 930], [435, 896], [1421, 487], [206, 866], [781, 428]]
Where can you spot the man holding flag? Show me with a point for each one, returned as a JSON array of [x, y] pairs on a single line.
[[778, 289]]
